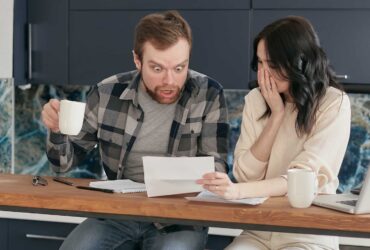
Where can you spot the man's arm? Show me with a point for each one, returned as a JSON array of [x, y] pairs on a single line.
[[215, 130], [64, 151]]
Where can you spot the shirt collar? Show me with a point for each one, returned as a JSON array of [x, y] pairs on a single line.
[[131, 92]]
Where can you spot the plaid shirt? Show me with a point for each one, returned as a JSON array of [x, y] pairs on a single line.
[[113, 119]]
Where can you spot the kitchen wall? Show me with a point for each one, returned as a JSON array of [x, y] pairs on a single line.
[[30, 133], [6, 85], [6, 41], [28, 143]]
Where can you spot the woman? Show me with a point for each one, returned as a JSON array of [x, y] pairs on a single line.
[[297, 118]]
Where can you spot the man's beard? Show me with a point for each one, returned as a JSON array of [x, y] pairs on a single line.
[[174, 91]]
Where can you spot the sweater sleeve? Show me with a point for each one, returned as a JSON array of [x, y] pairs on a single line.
[[246, 166], [324, 149]]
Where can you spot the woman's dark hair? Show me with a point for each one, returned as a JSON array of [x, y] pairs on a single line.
[[294, 51]]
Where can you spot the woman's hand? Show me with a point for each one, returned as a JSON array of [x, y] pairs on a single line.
[[269, 92], [220, 183]]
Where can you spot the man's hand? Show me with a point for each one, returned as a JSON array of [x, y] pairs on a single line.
[[220, 184], [50, 115]]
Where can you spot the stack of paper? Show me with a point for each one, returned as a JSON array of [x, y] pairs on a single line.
[[211, 197], [120, 186]]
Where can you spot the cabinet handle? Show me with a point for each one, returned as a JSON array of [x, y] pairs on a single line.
[[44, 237], [342, 77], [29, 51]]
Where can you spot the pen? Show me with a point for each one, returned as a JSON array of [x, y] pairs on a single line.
[[60, 180], [96, 189]]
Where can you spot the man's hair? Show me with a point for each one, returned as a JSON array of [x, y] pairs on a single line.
[[162, 30]]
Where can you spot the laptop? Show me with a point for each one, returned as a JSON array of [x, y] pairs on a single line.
[[349, 202]]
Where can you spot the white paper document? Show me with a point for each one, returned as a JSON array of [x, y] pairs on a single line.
[[211, 197], [175, 175], [120, 186]]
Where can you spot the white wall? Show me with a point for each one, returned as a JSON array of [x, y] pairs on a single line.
[[6, 38]]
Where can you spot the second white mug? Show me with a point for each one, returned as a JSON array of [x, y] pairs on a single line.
[[302, 187], [71, 116]]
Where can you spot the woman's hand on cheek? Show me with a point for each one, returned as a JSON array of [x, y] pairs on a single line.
[[269, 92], [220, 184]]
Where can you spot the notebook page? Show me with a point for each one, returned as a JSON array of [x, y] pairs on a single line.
[[211, 197], [120, 186]]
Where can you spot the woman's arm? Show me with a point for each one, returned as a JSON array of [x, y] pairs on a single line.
[[261, 149], [219, 183], [254, 145], [269, 187]]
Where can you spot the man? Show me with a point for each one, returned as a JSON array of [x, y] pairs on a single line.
[[164, 109]]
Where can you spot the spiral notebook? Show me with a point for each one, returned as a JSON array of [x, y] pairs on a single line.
[[120, 186]]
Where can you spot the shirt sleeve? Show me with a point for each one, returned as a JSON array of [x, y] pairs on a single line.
[[64, 151], [215, 130], [324, 149], [246, 166]]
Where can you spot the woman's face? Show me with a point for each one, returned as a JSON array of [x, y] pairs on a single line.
[[264, 64]]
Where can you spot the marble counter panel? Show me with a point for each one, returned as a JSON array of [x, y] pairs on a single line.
[[30, 134], [357, 158], [6, 113]]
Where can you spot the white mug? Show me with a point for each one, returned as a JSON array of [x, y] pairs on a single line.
[[71, 116], [302, 187]]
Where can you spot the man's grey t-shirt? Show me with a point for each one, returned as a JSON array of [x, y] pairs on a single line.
[[153, 136]]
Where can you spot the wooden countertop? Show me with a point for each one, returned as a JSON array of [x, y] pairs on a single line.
[[18, 194]]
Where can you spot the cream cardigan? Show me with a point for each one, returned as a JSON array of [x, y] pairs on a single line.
[[323, 150]]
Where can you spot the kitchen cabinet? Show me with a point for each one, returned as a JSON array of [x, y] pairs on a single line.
[[310, 4], [19, 234], [101, 43], [345, 42], [4, 233], [40, 235], [47, 42], [342, 28], [80, 42]]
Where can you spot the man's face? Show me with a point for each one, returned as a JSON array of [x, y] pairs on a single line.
[[164, 71]]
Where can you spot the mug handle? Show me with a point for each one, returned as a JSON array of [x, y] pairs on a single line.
[[316, 185]]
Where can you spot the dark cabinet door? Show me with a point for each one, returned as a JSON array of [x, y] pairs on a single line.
[[221, 45], [48, 41], [4, 234], [157, 5], [101, 44], [344, 35], [20, 62], [24, 234], [310, 4]]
